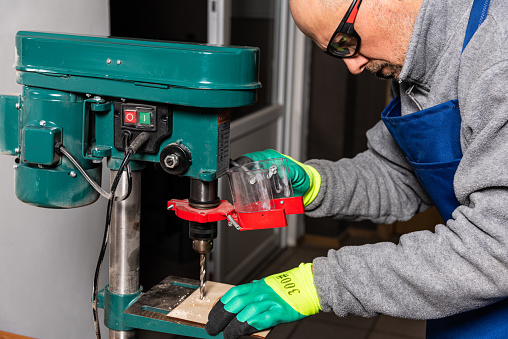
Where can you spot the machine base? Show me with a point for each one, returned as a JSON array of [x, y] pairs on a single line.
[[150, 310]]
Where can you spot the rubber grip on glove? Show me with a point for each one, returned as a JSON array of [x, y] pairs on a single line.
[[221, 320], [218, 318]]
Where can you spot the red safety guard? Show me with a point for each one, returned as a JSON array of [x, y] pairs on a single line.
[[275, 218], [292, 205], [184, 211], [271, 219], [261, 220]]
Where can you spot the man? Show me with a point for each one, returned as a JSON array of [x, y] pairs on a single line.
[[442, 141]]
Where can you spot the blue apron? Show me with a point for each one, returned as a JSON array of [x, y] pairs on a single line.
[[430, 140]]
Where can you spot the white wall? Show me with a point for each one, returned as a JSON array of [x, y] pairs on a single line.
[[47, 257]]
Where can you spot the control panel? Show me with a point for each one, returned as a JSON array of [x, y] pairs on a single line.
[[139, 117], [132, 118]]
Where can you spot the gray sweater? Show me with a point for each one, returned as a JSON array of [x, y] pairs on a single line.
[[463, 265]]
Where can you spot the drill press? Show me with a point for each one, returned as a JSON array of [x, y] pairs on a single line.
[[88, 98]]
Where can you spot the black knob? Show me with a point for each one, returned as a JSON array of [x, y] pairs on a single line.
[[175, 159]]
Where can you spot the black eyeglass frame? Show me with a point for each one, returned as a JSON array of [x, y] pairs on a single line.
[[346, 27]]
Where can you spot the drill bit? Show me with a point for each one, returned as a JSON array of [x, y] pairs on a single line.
[[202, 277]]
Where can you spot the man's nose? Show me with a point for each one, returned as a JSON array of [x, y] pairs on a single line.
[[356, 64]]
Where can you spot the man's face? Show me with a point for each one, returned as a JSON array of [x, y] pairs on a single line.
[[385, 32]]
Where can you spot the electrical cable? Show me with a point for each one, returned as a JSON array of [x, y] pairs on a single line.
[[105, 242], [129, 151], [80, 168]]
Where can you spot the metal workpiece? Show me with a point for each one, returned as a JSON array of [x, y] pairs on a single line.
[[125, 237]]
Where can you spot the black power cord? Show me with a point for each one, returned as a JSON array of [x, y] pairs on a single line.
[[128, 168], [105, 241], [60, 149], [129, 151]]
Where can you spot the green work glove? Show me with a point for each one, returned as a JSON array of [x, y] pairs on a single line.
[[305, 180], [277, 299]]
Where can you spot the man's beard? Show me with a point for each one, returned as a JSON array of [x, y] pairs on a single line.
[[383, 69], [403, 26]]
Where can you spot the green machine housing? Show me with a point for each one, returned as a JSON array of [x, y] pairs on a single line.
[[91, 94]]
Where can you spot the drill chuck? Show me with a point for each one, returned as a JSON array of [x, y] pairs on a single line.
[[202, 246], [202, 236]]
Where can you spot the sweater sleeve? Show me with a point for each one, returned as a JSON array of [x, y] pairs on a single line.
[[377, 184], [461, 266]]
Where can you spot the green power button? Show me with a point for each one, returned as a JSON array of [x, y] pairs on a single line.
[[144, 118]]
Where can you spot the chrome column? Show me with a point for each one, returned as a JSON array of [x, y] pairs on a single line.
[[124, 243]]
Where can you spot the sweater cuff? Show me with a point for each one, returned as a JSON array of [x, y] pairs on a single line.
[[321, 283]]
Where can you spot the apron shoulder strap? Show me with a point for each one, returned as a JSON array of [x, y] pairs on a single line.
[[476, 18]]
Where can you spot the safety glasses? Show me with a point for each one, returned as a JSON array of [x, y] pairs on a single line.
[[345, 42]]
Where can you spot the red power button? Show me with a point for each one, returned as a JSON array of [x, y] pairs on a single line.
[[130, 117]]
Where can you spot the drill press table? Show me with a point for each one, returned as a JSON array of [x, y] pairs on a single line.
[[150, 311]]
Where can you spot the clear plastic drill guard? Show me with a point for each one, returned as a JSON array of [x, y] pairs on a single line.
[[262, 193], [255, 185]]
